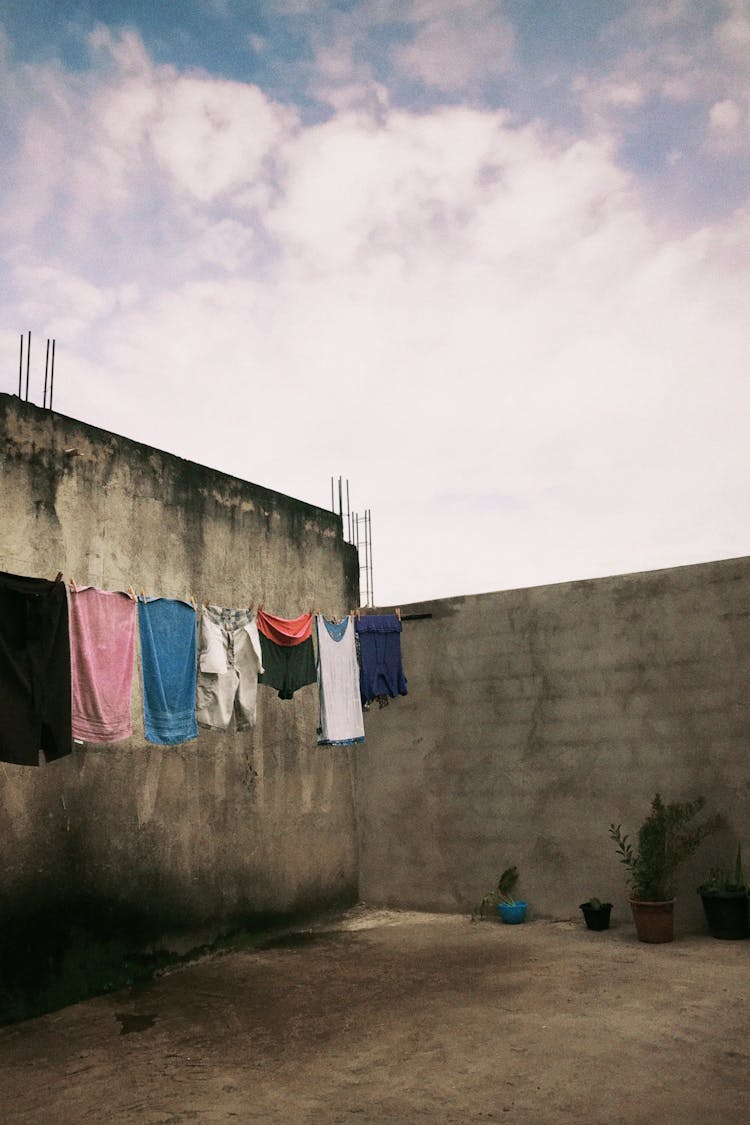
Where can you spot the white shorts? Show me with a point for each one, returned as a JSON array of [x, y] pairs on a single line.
[[229, 662]]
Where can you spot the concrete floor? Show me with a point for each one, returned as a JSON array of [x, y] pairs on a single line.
[[390, 1016]]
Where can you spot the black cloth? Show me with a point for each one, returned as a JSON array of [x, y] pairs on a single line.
[[287, 667], [35, 696]]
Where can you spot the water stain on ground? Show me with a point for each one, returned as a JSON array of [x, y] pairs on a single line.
[[296, 938], [131, 1022]]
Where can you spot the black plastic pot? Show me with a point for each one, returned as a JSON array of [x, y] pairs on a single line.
[[596, 917], [726, 914]]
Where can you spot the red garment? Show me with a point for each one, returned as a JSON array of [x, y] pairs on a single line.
[[285, 631]]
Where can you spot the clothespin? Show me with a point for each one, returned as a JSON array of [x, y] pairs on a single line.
[[73, 585], [398, 613], [143, 595], [59, 576], [193, 602], [132, 594], [260, 606]]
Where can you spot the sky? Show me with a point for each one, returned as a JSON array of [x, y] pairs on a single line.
[[487, 260]]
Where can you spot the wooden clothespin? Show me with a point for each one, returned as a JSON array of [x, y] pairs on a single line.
[[132, 594], [73, 585], [260, 606], [143, 595], [59, 576], [398, 613]]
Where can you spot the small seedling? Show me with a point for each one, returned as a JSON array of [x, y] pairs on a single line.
[[502, 893]]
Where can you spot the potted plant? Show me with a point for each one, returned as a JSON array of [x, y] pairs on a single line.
[[666, 838], [724, 897], [502, 900], [596, 913]]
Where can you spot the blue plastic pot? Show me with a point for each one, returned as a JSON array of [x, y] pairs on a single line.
[[512, 913]]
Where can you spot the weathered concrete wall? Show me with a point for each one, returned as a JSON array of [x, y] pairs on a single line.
[[230, 824], [536, 717]]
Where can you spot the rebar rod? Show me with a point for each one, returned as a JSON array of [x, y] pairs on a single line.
[[28, 357], [46, 365], [52, 375]]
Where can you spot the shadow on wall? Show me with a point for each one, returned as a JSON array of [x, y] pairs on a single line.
[[64, 953]]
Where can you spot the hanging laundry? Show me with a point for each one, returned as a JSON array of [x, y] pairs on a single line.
[[102, 654], [341, 721], [35, 689], [168, 670], [285, 631], [229, 661], [381, 672], [287, 652]]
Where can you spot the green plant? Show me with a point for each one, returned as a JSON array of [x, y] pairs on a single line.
[[502, 892], [596, 903], [726, 879], [666, 838]]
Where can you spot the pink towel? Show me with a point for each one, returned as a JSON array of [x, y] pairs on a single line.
[[102, 652]]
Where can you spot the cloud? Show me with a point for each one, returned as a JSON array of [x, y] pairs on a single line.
[[726, 126], [209, 135], [125, 49], [733, 33], [219, 9], [212, 136], [680, 63], [457, 46], [480, 322], [133, 171]]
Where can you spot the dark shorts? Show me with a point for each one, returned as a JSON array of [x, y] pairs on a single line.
[[34, 670], [287, 667]]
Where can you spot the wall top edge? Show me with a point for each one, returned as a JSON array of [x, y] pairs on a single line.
[[12, 406], [440, 607]]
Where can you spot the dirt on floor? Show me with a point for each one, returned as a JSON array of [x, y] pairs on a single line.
[[391, 1016]]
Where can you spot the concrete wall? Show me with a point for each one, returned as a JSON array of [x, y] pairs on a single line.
[[536, 717], [230, 824]]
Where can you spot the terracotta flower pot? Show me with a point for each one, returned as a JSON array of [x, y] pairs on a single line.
[[654, 921]]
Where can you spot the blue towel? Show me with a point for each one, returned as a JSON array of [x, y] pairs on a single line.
[[381, 672], [168, 670]]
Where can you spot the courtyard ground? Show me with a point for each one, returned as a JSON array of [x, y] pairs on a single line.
[[381, 1016]]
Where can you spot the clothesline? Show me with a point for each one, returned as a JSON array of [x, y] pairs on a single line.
[[191, 600], [199, 666]]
